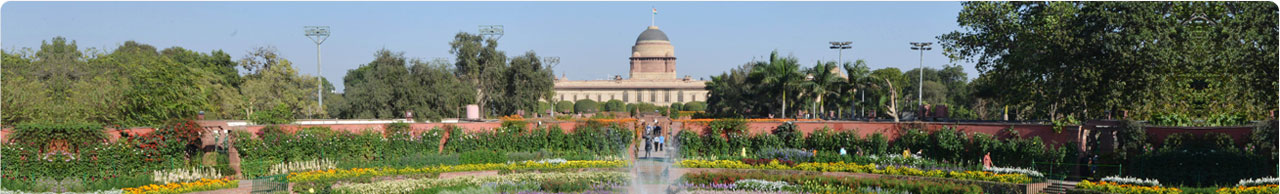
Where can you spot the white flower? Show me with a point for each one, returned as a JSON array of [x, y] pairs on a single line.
[[1132, 181]]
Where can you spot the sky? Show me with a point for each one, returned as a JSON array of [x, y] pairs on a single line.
[[592, 39]]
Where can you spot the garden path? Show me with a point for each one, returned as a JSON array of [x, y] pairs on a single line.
[[656, 173]]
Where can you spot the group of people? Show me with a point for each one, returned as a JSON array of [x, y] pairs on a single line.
[[653, 138]]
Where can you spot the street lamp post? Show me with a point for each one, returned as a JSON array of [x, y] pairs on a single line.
[[318, 34], [921, 46], [841, 46]]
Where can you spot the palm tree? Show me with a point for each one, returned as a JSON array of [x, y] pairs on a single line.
[[859, 78], [824, 81], [778, 74]]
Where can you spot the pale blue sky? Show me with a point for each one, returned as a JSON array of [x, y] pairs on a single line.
[[592, 39]]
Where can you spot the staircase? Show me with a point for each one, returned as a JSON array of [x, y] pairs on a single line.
[[1059, 187]]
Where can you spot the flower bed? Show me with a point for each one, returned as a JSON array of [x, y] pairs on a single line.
[[334, 174], [185, 187], [1111, 187], [1257, 189], [542, 179], [761, 182], [856, 168]]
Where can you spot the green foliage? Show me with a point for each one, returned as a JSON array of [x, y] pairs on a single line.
[[789, 135], [675, 106], [585, 106], [695, 106], [615, 105], [1208, 160], [564, 106], [281, 114], [391, 84], [948, 145], [1059, 124], [272, 80], [600, 140], [39, 135], [482, 157], [1090, 57]]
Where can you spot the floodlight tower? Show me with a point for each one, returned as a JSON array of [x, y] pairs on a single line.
[[921, 46], [841, 46], [491, 31], [318, 34]]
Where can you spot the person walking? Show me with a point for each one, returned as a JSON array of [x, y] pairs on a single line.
[[647, 146], [661, 141]]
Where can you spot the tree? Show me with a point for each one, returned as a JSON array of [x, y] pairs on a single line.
[[564, 106], [434, 92], [615, 105], [378, 89], [526, 81], [585, 106], [781, 75], [277, 82], [695, 106], [730, 94], [824, 83], [1085, 58], [676, 106], [480, 63], [162, 89]]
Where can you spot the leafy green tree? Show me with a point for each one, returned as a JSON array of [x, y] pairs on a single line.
[[162, 89], [272, 81], [378, 89], [695, 106], [615, 105], [676, 106], [526, 81], [434, 91], [479, 62], [280, 114], [564, 106], [730, 94], [1047, 59], [585, 106]]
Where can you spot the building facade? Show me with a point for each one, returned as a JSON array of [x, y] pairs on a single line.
[[652, 78]]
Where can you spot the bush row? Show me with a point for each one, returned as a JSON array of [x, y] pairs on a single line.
[[728, 139]]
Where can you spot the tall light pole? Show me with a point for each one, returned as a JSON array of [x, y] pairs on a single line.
[[841, 46], [318, 34], [492, 31], [921, 46]]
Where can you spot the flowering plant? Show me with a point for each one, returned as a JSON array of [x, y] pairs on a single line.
[[185, 187], [412, 185], [1256, 189], [1259, 181], [1014, 170], [310, 165], [335, 174], [1112, 187], [183, 175], [1131, 181], [860, 168]]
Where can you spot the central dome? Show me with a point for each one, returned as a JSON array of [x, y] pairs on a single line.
[[652, 34]]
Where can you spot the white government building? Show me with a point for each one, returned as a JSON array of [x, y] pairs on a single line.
[[652, 80]]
